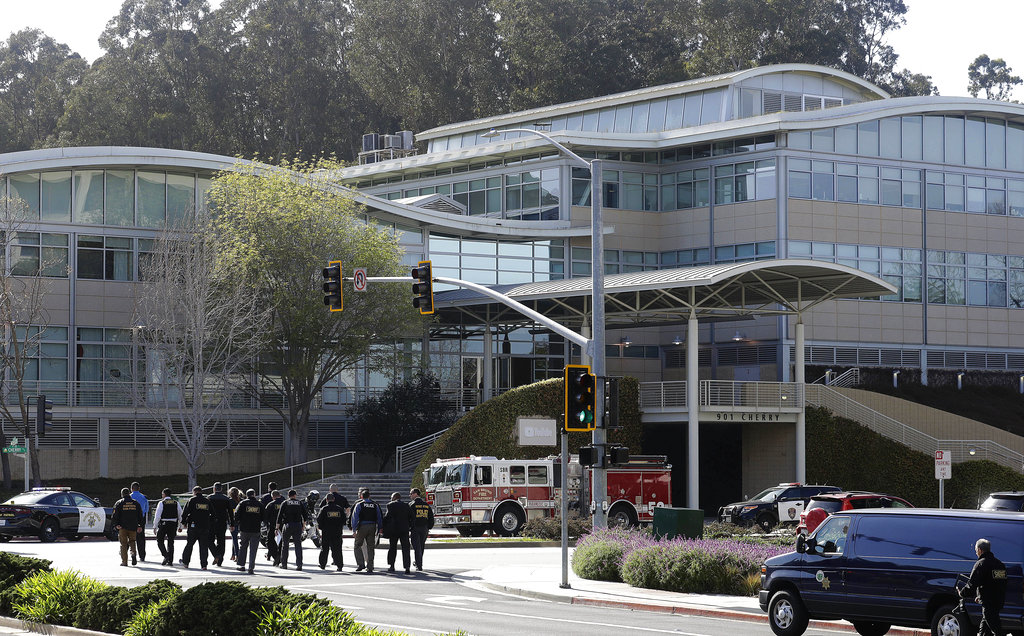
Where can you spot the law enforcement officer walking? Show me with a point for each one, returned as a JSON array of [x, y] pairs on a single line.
[[291, 520], [248, 516], [196, 518], [396, 530], [140, 538], [988, 583], [331, 522], [422, 522], [128, 519], [339, 499], [366, 519], [270, 511], [223, 516], [167, 519]]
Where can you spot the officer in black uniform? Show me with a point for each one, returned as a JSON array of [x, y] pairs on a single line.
[[128, 520], [167, 519], [331, 521], [247, 519], [270, 511], [291, 520], [422, 522], [397, 520], [196, 518], [988, 582], [223, 516]]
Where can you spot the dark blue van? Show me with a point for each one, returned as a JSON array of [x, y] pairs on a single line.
[[882, 567]]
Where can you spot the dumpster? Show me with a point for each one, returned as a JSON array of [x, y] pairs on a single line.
[[670, 523]]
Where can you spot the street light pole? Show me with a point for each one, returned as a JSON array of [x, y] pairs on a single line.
[[596, 345]]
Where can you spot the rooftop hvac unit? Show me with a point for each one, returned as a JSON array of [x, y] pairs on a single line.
[[407, 139], [371, 141], [392, 141]]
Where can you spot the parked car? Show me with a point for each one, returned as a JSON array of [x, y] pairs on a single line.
[[821, 506], [1004, 501], [49, 513], [898, 566], [782, 503]]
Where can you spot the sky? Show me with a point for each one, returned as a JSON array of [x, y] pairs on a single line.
[[941, 37]]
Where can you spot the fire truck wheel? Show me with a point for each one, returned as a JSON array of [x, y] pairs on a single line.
[[622, 516], [509, 520]]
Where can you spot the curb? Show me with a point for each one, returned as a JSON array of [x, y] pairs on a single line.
[[45, 628], [682, 610], [495, 544]]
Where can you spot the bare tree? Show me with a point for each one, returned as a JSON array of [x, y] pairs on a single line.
[[200, 330], [25, 283]]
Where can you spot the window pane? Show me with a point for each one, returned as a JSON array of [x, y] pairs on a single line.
[[90, 264], [975, 149], [641, 112], [25, 186], [623, 115], [691, 111], [995, 143], [800, 185], [151, 198], [88, 206], [954, 139], [846, 189], [181, 195], [911, 137], [712, 105], [889, 137], [867, 138], [56, 196], [656, 119], [1015, 146], [120, 209], [823, 187]]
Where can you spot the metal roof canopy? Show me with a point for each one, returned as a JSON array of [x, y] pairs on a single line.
[[667, 296]]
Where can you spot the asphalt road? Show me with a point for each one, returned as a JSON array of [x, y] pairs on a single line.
[[442, 598]]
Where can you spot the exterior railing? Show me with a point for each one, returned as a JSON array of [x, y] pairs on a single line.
[[663, 394], [754, 395], [408, 456], [886, 426], [291, 471]]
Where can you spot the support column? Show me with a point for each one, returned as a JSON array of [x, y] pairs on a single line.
[[693, 410], [488, 390], [104, 443], [801, 418]]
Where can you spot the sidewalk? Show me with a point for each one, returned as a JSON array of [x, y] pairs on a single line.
[[543, 583]]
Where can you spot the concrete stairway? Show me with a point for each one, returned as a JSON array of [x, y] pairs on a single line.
[[381, 485]]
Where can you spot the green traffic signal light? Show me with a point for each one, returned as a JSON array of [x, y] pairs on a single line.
[[580, 397], [332, 286]]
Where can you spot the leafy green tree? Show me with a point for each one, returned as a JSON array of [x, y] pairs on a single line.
[[428, 62], [407, 410], [37, 74], [992, 76], [286, 225]]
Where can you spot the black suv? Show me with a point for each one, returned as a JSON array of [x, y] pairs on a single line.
[[782, 503], [1004, 501]]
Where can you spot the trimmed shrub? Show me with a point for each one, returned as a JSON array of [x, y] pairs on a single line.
[[146, 621], [111, 609], [53, 597], [306, 620], [224, 607], [598, 560], [13, 570], [550, 528]]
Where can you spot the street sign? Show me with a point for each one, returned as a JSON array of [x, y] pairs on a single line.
[[943, 464], [359, 279], [14, 449]]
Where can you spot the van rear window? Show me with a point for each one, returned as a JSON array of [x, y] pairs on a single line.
[[935, 537], [828, 505]]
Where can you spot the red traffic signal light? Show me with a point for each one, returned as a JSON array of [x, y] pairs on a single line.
[[580, 396], [423, 288]]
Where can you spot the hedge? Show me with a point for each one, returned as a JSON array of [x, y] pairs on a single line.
[[489, 429], [13, 570]]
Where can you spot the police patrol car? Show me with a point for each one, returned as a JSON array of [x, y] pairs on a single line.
[[778, 504], [49, 513]]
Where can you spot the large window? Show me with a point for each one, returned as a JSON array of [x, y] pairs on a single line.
[[39, 254], [105, 258]]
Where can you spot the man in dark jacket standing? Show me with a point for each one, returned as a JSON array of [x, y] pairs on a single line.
[[223, 516], [247, 518], [396, 530], [140, 538], [331, 522], [128, 520], [366, 519], [166, 520], [270, 511], [291, 520], [196, 518], [422, 521], [988, 583]]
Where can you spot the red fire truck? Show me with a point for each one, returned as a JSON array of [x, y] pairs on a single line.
[[475, 494]]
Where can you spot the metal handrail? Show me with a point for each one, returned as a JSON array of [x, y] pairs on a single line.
[[914, 439], [291, 470], [415, 449]]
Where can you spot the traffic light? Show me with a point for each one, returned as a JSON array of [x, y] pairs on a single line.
[[611, 403], [588, 455], [332, 285], [44, 415], [579, 398], [423, 289], [618, 455]]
